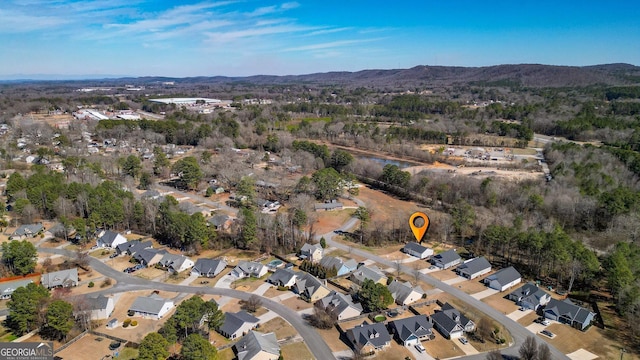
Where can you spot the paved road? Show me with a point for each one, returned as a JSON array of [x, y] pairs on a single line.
[[518, 332], [126, 283]]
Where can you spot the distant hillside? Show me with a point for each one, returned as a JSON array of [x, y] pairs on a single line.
[[528, 75]]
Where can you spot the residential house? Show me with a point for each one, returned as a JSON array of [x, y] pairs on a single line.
[[283, 277], [110, 239], [412, 330], [208, 267], [503, 279], [451, 323], [152, 194], [133, 246], [328, 206], [98, 307], [340, 306], [221, 222], [566, 312], [175, 263], [27, 231], [310, 288], [342, 267], [62, 278], [417, 250], [268, 207], [257, 346], [9, 285], [237, 324], [312, 252], [249, 269], [216, 189], [368, 338], [368, 272], [151, 307], [530, 296], [473, 268], [149, 257], [446, 259], [191, 208], [405, 293]]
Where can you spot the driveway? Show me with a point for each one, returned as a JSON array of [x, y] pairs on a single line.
[[225, 282], [455, 280], [467, 348], [517, 315], [485, 293]]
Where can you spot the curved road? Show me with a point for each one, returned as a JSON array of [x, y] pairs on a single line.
[[518, 332], [127, 283]]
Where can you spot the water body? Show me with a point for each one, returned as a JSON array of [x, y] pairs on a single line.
[[383, 162]]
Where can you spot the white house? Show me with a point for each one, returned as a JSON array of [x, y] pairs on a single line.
[[249, 269], [404, 293], [98, 308], [208, 267], [176, 263], [237, 324], [311, 252], [473, 268], [110, 239], [417, 250], [503, 279], [151, 307]]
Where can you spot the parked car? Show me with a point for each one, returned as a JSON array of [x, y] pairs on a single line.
[[420, 348], [113, 255], [545, 322], [114, 345], [547, 333], [463, 341]]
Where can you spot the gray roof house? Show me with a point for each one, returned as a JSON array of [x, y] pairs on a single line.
[[9, 286], [340, 306], [412, 330], [446, 259], [405, 293], [249, 269], [368, 272], [503, 279], [110, 239], [256, 345], [97, 307], [133, 246], [149, 257], [567, 312], [451, 323], [208, 267], [310, 288], [368, 338], [473, 268], [328, 206], [220, 221], [342, 267], [417, 250], [175, 263], [151, 307], [28, 230], [237, 324], [283, 277], [530, 296], [62, 278], [311, 252]]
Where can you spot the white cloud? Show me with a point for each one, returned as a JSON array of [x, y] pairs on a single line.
[[330, 45]]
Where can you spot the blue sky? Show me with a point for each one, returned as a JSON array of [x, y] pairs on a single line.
[[238, 38]]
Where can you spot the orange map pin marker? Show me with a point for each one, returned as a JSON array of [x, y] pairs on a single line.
[[419, 230]]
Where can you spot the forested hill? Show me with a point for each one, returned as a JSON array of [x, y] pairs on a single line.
[[526, 75]]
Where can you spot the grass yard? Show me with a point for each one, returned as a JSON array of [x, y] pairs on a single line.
[[297, 351], [472, 286], [393, 352], [443, 275], [280, 327], [296, 304], [332, 338], [226, 354], [128, 353], [249, 284], [442, 348], [498, 302]]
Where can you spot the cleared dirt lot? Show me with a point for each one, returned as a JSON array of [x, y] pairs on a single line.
[[442, 348], [280, 327], [499, 303], [89, 344], [568, 340], [296, 351]]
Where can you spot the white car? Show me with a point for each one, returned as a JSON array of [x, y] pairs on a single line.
[[545, 322], [420, 348], [463, 341]]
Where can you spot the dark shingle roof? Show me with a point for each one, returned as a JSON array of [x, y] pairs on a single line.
[[209, 266], [413, 246], [446, 257], [418, 325], [504, 276], [474, 265], [375, 334], [255, 342], [234, 321]]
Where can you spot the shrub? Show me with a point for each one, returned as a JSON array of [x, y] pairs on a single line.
[[134, 323], [282, 288], [106, 282], [126, 322], [91, 284]]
